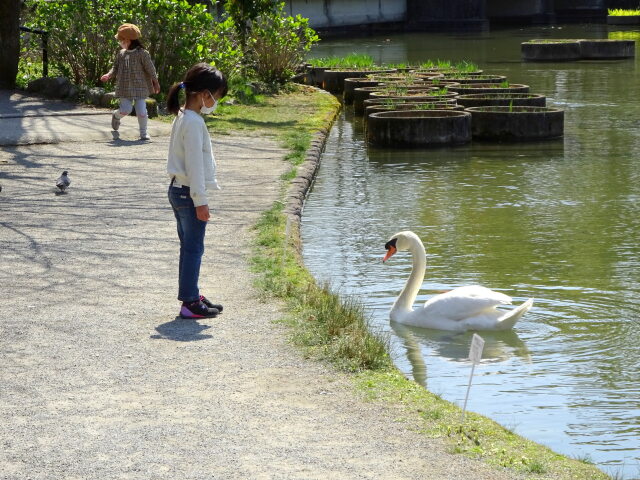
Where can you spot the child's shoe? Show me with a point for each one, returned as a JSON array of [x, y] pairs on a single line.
[[197, 309], [145, 137], [217, 306]]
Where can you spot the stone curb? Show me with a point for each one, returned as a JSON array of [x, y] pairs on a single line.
[[300, 185]]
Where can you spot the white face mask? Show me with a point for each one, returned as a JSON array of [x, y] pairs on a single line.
[[207, 110]]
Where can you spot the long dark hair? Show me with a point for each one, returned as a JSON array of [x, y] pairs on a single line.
[[135, 44], [200, 77]]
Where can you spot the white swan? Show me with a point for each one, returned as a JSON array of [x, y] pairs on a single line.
[[463, 308]]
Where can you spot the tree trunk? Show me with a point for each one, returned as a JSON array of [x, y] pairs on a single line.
[[9, 42]]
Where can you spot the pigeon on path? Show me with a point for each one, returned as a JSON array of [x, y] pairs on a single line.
[[63, 181]]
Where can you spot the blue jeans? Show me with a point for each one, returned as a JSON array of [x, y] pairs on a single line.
[[191, 234]]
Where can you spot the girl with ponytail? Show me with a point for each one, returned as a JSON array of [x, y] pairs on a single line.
[[192, 170]]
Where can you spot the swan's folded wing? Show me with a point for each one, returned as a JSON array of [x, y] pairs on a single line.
[[465, 302]]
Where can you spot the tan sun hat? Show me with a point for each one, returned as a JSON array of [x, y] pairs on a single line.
[[128, 31]]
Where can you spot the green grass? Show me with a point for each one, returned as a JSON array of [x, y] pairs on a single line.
[[357, 60], [466, 66], [28, 69], [621, 12], [397, 90], [440, 92], [354, 60], [425, 106], [461, 66], [290, 116], [585, 459], [326, 325], [553, 40], [449, 76], [624, 36]]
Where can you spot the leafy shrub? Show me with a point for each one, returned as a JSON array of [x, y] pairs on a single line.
[[226, 51], [266, 47], [81, 34], [245, 91], [279, 43], [30, 62], [243, 13]]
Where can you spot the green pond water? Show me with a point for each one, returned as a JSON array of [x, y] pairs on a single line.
[[557, 220]]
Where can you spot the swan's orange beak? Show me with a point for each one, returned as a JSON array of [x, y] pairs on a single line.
[[390, 252]]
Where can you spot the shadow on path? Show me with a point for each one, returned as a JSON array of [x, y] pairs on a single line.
[[181, 330]]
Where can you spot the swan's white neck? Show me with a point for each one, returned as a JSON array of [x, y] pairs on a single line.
[[404, 302]]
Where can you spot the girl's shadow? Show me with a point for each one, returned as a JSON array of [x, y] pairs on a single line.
[[181, 330]]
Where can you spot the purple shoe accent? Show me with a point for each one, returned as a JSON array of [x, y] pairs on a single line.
[[197, 309], [186, 313]]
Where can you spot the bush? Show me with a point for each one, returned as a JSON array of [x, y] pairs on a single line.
[[30, 63], [279, 43], [82, 47], [81, 34], [226, 51]]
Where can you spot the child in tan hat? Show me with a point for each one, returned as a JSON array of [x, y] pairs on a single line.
[[135, 77]]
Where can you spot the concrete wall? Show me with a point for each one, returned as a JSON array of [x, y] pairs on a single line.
[[421, 10], [580, 5], [509, 8], [341, 13], [430, 15]]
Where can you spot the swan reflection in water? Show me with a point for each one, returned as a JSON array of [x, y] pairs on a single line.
[[499, 346]]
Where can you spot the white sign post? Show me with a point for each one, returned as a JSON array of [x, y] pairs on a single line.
[[475, 354]]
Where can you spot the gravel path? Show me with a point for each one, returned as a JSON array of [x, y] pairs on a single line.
[[100, 380]]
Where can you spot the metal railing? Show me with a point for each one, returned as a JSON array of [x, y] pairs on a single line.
[[45, 52]]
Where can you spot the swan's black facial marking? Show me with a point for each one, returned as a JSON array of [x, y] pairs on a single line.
[[391, 243], [391, 249]]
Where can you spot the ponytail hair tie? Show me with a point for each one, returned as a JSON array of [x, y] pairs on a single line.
[[182, 85]]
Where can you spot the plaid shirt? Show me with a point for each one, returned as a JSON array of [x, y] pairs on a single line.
[[133, 72]]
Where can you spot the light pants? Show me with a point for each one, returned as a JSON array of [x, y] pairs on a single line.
[[126, 105]]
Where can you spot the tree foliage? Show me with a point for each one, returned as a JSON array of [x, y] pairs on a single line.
[[252, 39], [279, 43], [81, 34], [244, 12]]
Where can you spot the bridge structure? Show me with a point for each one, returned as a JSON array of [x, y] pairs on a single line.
[[415, 15]]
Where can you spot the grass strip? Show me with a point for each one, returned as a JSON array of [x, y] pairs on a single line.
[[477, 437], [621, 12]]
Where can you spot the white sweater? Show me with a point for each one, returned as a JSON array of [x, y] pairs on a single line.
[[190, 158]]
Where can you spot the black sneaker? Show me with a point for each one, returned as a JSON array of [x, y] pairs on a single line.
[[217, 306], [197, 309]]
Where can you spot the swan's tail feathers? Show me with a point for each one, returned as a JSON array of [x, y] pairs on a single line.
[[509, 319]]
